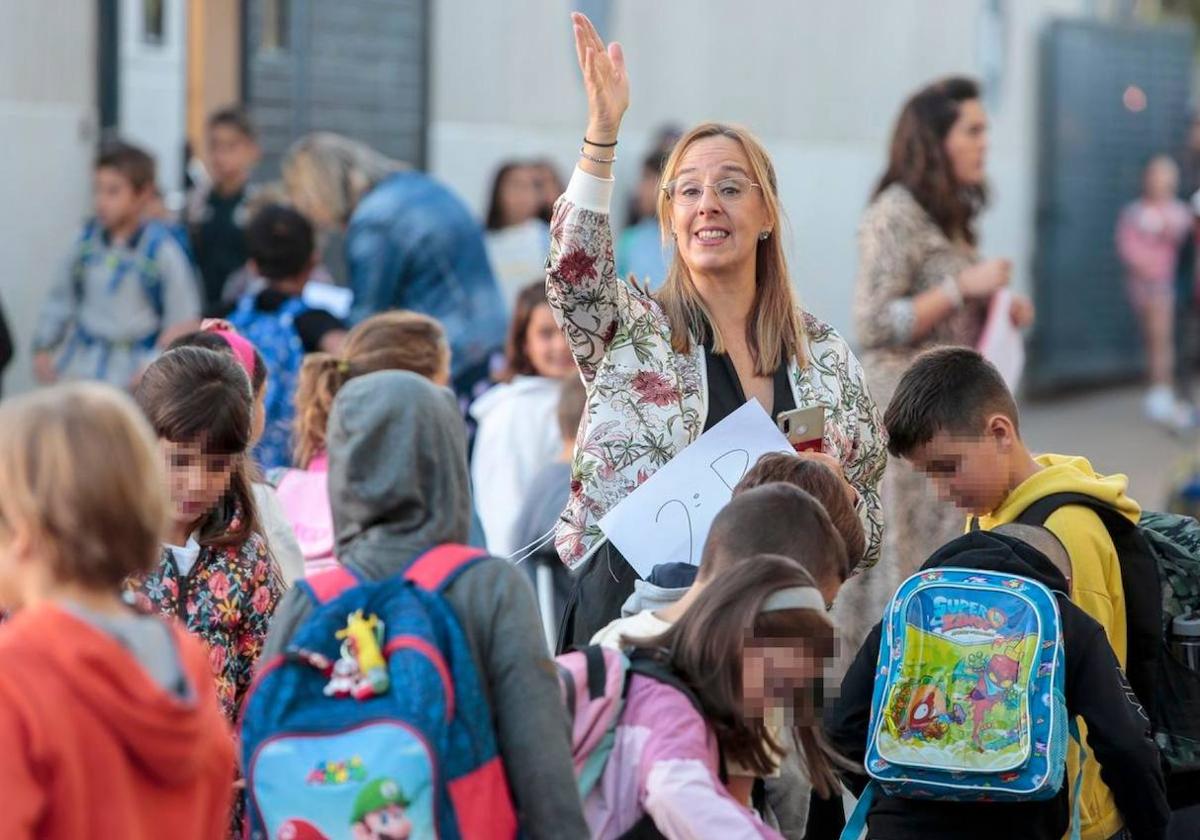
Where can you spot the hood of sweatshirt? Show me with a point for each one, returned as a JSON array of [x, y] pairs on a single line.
[[990, 552], [398, 481], [156, 729], [1064, 474]]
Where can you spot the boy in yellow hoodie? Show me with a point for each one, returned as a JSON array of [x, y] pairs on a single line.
[[953, 418]]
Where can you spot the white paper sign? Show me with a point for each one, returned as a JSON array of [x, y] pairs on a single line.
[[1001, 343], [667, 519]]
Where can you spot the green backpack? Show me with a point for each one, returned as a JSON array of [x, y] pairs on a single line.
[[1162, 547]]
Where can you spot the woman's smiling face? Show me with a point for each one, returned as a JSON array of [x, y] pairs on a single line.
[[720, 229]]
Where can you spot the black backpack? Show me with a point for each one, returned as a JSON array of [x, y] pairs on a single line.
[[1160, 574]]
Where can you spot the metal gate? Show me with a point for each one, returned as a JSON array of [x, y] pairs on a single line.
[[1111, 97], [357, 67]]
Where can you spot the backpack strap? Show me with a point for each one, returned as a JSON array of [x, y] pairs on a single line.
[[437, 568], [324, 586], [1045, 507]]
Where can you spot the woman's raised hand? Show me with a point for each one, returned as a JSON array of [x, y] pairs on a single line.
[[604, 79]]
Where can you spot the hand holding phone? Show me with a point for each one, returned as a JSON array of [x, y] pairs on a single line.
[[803, 427]]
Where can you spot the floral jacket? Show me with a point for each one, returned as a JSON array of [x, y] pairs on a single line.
[[227, 601], [646, 403]]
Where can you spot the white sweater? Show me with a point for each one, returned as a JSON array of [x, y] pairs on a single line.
[[518, 435]]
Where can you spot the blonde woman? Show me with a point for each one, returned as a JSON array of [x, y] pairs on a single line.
[[724, 328], [410, 244]]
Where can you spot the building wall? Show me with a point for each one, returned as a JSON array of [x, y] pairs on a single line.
[[820, 83], [152, 76], [47, 107]]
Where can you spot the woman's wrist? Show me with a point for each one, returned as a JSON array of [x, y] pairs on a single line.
[[952, 292]]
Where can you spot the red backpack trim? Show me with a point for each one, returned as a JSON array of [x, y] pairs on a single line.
[[434, 569]]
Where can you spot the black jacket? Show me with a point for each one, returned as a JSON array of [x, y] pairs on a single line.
[[1096, 690]]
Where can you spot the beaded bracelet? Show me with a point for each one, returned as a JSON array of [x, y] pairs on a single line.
[[594, 159]]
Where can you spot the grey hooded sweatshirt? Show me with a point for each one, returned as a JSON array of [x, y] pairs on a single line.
[[398, 486]]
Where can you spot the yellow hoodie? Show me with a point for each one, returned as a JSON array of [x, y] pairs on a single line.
[[1095, 587]]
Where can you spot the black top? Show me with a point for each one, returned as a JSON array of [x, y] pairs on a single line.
[[6, 345], [1096, 690], [312, 325], [725, 394], [219, 243]]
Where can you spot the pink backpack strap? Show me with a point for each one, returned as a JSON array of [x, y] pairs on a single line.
[[326, 585], [436, 568]]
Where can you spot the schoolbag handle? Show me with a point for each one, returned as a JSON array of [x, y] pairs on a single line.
[[437, 568]]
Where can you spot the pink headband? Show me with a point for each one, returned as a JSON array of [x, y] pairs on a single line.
[[242, 349]]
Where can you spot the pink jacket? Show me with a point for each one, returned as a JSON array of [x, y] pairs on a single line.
[[1148, 239], [664, 763], [304, 495]]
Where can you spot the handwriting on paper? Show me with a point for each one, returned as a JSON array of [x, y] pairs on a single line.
[[668, 517]]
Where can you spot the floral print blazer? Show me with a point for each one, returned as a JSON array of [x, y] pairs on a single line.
[[226, 600], [646, 403]]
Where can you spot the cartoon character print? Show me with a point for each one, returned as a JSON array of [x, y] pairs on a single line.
[[996, 684], [380, 812]]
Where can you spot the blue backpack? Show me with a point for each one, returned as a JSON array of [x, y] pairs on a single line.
[[374, 719], [969, 703], [274, 334]]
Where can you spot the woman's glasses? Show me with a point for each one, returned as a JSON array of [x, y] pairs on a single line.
[[687, 192]]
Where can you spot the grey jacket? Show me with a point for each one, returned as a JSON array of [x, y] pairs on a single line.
[[398, 486]]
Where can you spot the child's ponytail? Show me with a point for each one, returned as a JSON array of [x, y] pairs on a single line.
[[321, 376]]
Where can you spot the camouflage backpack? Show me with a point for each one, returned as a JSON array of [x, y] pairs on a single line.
[[1160, 572]]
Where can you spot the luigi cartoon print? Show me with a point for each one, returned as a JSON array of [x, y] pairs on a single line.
[[381, 812]]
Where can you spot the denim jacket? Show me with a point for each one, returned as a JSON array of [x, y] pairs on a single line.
[[412, 244]]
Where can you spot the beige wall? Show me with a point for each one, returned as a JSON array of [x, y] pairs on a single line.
[[819, 82], [47, 107]]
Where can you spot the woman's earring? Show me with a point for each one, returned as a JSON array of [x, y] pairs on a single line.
[[763, 236], [674, 235]]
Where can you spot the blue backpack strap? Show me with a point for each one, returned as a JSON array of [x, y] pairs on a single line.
[[83, 254], [148, 273], [325, 586], [437, 568], [1077, 787], [293, 307], [856, 825]]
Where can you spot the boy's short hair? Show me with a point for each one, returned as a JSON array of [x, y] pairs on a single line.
[[281, 242], [82, 470], [134, 163], [774, 519], [235, 118], [821, 483], [951, 389], [572, 400]]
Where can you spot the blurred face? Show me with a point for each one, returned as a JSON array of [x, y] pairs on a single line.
[[716, 213], [1162, 180], [231, 155], [197, 479], [520, 198], [781, 674], [117, 203], [967, 142], [647, 194], [970, 471], [547, 184], [546, 347]]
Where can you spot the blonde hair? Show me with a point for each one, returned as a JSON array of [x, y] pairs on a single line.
[[331, 172], [82, 471], [775, 329], [396, 340]]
